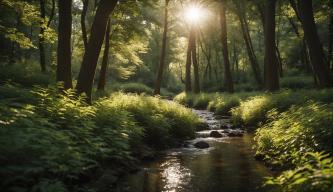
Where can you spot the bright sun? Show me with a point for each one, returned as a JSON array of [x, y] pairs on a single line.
[[194, 14]]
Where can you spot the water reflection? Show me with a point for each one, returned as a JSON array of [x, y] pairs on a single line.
[[175, 177], [228, 166]]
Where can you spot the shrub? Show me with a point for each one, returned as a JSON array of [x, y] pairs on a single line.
[[201, 101], [49, 145], [184, 99], [291, 134], [152, 113], [314, 175], [132, 88], [297, 82], [16, 94], [27, 76], [223, 103], [253, 110]]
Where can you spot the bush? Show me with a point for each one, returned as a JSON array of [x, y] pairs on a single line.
[[253, 110], [289, 135], [220, 103], [132, 88], [223, 103], [27, 76], [184, 99], [314, 175], [53, 143], [297, 82], [177, 122]]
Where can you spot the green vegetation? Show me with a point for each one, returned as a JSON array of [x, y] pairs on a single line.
[[55, 140], [84, 86], [295, 132]]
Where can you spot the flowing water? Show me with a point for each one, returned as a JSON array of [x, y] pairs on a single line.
[[226, 166]]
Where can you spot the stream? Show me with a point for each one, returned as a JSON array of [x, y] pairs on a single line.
[[227, 165]]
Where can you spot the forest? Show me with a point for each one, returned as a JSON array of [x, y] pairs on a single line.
[[166, 95]]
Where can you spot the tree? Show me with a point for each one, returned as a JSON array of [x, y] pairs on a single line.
[[227, 73], [330, 39], [102, 74], [317, 56], [196, 88], [248, 43], [89, 63], [64, 73], [271, 65], [83, 22], [41, 36], [163, 52], [188, 83]]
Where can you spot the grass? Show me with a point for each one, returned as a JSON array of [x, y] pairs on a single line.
[[51, 141]]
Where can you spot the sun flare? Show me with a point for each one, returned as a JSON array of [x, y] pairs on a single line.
[[194, 14]]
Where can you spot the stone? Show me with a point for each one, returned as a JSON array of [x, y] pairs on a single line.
[[235, 134], [202, 126], [201, 145], [215, 134]]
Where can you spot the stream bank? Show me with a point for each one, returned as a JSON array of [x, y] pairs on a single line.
[[227, 165]]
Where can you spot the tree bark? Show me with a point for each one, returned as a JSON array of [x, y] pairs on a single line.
[[159, 77], [105, 61], [196, 88], [317, 55], [249, 47], [271, 66], [188, 83], [64, 73], [51, 14], [330, 44], [90, 58], [227, 73], [83, 22], [41, 39]]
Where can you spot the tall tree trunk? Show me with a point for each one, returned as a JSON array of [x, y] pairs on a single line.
[[89, 63], [163, 52], [227, 73], [271, 66], [279, 60], [105, 61], [51, 14], [315, 48], [83, 22], [208, 69], [330, 44], [249, 47], [188, 82], [196, 88], [41, 39], [64, 73]]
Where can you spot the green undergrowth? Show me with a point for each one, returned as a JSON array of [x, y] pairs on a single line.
[[54, 142], [254, 110], [220, 103], [138, 88], [300, 142], [294, 135], [26, 75]]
